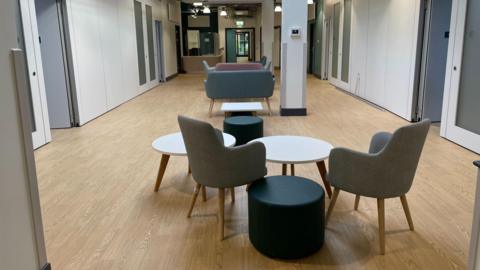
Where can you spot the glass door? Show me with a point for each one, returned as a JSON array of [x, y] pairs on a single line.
[[340, 28], [461, 120]]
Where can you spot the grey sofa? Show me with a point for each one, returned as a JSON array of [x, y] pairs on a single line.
[[238, 84]]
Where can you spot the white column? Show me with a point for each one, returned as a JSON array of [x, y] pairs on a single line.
[[294, 57], [267, 29]]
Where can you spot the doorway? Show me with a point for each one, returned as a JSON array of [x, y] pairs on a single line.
[[434, 50], [240, 45], [178, 42], [311, 47], [160, 52], [277, 50], [51, 30]]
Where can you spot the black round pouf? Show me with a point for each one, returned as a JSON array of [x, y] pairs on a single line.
[[243, 128], [286, 216]]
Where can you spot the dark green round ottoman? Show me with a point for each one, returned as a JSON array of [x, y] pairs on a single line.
[[286, 216], [244, 128]]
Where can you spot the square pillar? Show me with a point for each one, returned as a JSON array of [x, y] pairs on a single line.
[[294, 58]]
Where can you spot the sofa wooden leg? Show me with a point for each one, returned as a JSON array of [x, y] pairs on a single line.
[[269, 107], [212, 102]]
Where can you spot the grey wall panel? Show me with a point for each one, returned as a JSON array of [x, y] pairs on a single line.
[[140, 42], [151, 51], [54, 66]]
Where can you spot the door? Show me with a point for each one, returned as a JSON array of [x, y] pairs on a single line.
[[277, 40], [231, 52], [460, 121], [160, 53], [340, 29], [38, 102]]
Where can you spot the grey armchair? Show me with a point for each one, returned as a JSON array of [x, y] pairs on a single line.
[[386, 171], [206, 67], [214, 165]]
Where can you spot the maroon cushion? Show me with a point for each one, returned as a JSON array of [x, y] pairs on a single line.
[[235, 66]]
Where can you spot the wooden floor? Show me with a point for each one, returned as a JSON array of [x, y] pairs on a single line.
[[100, 211]]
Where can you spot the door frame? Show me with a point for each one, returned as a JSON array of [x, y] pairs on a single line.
[[42, 134], [160, 51], [337, 82], [253, 40], [448, 127]]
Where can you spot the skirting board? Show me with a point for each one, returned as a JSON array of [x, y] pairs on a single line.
[[293, 112], [171, 77]]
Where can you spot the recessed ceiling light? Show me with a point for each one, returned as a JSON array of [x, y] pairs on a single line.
[[206, 10], [197, 4], [223, 13], [278, 8], [310, 2]]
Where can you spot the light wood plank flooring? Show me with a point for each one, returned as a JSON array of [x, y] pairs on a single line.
[[100, 212]]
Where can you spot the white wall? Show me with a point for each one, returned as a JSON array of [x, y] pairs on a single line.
[[383, 52], [18, 247], [104, 49]]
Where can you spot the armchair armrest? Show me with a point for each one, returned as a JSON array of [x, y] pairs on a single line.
[[355, 172], [244, 164], [379, 141]]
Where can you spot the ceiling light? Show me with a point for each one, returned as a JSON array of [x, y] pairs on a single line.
[[197, 4], [310, 2], [278, 8], [206, 10], [223, 13]]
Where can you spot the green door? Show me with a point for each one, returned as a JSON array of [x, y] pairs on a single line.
[[231, 49]]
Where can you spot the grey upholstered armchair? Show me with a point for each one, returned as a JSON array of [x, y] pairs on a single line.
[[387, 171], [214, 165]]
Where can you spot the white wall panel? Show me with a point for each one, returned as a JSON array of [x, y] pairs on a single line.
[[104, 49], [384, 38], [401, 47], [87, 58]]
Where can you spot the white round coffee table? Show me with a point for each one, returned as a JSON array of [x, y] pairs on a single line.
[[173, 145], [298, 150]]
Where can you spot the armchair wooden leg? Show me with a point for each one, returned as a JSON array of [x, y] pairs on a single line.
[[284, 169], [204, 193], [336, 191], [267, 100], [403, 198], [381, 224], [212, 102], [194, 199], [232, 194], [221, 212], [292, 169], [357, 201]]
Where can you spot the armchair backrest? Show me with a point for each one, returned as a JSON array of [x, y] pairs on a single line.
[[263, 60], [205, 148], [206, 67], [401, 154]]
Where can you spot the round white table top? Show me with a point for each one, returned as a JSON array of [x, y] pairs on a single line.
[[173, 144], [295, 149]]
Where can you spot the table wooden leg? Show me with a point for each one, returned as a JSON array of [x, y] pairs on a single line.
[[284, 169], [189, 169], [204, 193], [292, 169], [323, 173], [161, 170]]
